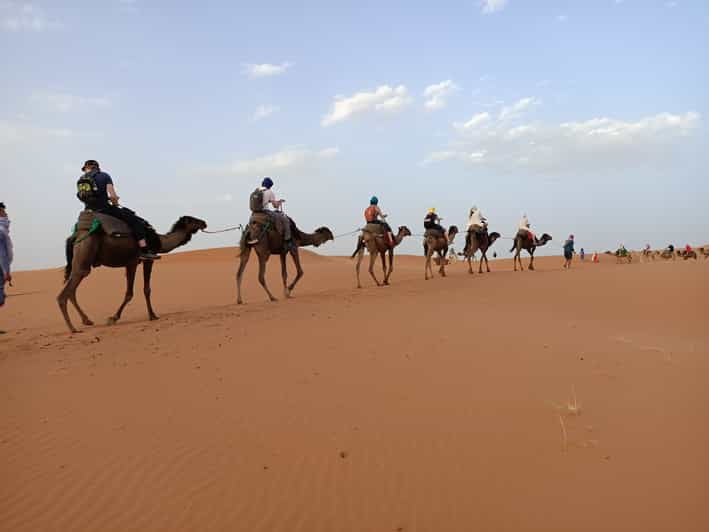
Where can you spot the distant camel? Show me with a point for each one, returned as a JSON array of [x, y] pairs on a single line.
[[435, 242], [522, 241], [475, 241], [88, 249], [666, 254], [704, 251], [374, 243], [647, 254], [270, 242], [689, 255]]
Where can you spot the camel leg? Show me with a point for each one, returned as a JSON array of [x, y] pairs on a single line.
[[427, 266], [391, 266], [284, 275], [372, 260], [298, 269], [147, 272], [243, 261], [262, 260], [487, 264], [531, 261], [130, 281], [442, 258], [360, 256], [69, 292]]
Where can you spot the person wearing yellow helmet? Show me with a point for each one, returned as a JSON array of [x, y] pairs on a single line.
[[433, 221]]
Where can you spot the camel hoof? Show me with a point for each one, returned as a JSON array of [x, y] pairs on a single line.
[[88, 323], [274, 300], [154, 317], [239, 302], [112, 320], [75, 331]]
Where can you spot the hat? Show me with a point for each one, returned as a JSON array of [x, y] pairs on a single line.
[[571, 237], [374, 200], [90, 162], [432, 210], [267, 182], [2, 205]]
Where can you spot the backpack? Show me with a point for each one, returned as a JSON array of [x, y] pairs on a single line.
[[256, 200], [86, 187]]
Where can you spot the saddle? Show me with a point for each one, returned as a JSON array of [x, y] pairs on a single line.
[[435, 233], [91, 222], [263, 222]]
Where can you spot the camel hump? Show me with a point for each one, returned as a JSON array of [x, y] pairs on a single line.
[[435, 233], [376, 229]]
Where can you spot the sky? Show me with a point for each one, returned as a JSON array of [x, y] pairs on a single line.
[[588, 116]]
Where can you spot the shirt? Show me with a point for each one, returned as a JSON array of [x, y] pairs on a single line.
[[102, 181], [5, 246], [269, 196]]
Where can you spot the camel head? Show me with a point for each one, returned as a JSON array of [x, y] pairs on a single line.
[[404, 231], [189, 224], [543, 240], [452, 231], [322, 234], [492, 237]]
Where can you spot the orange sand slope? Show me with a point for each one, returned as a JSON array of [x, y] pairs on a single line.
[[551, 400]]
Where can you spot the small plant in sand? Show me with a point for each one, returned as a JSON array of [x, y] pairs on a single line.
[[572, 408]]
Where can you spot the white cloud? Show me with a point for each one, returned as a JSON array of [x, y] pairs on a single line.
[[598, 144], [65, 102], [383, 99], [266, 69], [287, 158], [476, 121], [562, 18], [16, 17], [264, 111], [19, 132], [438, 94], [670, 5], [518, 108], [492, 6]]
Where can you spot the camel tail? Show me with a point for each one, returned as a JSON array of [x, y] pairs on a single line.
[[360, 245], [69, 250]]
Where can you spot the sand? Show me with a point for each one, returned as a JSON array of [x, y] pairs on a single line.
[[549, 401]]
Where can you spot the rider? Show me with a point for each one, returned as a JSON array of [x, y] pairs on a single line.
[[476, 221], [687, 249], [523, 227], [433, 221], [272, 207], [102, 197], [374, 215]]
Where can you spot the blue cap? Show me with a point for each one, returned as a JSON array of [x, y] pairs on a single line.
[[374, 200], [267, 182]]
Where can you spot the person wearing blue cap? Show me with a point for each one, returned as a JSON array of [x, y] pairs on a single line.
[[272, 207], [374, 215]]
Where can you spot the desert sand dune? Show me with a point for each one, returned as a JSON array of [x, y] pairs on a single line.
[[550, 400]]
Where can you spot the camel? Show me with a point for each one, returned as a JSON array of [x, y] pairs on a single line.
[[271, 243], [475, 241], [689, 255], [86, 250], [522, 241], [374, 243], [647, 254], [623, 256], [704, 252], [666, 254], [435, 242]]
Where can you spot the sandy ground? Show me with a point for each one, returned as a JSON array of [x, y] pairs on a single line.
[[549, 401]]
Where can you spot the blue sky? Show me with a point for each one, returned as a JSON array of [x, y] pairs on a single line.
[[588, 116]]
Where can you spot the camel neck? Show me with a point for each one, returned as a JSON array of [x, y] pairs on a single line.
[[172, 240]]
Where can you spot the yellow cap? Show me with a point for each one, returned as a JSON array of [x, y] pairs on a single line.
[[432, 209]]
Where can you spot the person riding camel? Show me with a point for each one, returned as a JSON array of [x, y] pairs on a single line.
[[95, 189], [374, 215], [271, 206], [523, 228], [476, 221], [433, 221]]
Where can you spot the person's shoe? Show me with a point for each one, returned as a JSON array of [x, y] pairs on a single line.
[[146, 254]]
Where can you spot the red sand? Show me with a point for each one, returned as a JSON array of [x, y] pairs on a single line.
[[423, 406]]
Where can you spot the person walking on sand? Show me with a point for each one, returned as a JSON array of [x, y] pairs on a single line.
[[568, 251], [582, 255], [5, 253]]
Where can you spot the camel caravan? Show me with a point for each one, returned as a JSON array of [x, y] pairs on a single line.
[[109, 234]]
